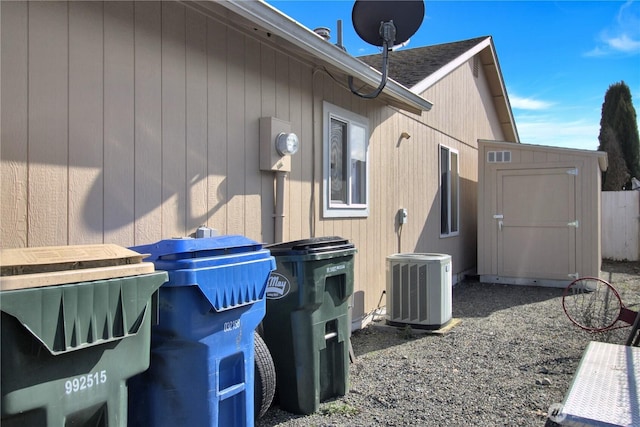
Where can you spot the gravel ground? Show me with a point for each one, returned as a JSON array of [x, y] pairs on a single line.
[[512, 355]]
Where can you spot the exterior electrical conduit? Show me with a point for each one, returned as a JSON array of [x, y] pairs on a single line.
[[278, 232]]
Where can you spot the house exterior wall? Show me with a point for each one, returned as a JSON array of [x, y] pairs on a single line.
[[586, 198], [131, 122], [463, 113], [463, 106]]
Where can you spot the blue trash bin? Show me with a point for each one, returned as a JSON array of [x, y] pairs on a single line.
[[202, 348]]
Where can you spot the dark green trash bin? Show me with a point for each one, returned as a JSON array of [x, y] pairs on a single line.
[[307, 324], [67, 350]]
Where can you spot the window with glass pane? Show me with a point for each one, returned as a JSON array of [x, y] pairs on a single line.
[[444, 190], [346, 145], [358, 150], [453, 183], [449, 191], [338, 141]]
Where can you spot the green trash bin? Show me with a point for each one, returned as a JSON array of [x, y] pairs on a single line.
[[307, 326], [68, 349]]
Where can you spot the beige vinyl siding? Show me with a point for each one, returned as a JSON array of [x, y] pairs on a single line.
[[131, 122], [48, 131], [196, 111], [217, 181], [405, 174], [148, 179], [463, 112], [119, 122], [85, 144], [140, 120], [173, 119], [463, 106], [14, 129]]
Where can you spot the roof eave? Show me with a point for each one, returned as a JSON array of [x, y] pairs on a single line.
[[487, 43], [279, 24], [496, 64]]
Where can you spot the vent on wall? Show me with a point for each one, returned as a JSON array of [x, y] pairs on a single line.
[[499, 157], [419, 290]]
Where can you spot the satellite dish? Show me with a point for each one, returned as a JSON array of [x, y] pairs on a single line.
[[385, 23], [367, 15]]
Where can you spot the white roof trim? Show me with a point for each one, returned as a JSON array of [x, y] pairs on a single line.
[[280, 24], [462, 59], [451, 66]]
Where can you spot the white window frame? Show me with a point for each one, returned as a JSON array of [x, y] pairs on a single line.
[[448, 229], [331, 209]]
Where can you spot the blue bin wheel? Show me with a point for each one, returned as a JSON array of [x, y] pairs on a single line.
[[264, 378]]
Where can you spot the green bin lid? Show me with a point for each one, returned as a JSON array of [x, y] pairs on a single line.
[[314, 245], [79, 315]]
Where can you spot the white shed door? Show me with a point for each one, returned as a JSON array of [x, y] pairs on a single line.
[[537, 231]]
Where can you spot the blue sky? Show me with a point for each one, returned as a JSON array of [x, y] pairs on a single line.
[[558, 58]]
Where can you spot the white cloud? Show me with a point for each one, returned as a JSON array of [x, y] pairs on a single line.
[[596, 51], [623, 36], [623, 43], [528, 103], [553, 131]]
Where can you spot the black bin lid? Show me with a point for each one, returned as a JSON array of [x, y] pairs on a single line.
[[311, 246]]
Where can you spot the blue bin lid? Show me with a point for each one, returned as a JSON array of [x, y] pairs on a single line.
[[230, 271], [181, 248]]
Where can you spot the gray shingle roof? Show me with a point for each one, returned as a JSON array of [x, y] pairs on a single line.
[[410, 66]]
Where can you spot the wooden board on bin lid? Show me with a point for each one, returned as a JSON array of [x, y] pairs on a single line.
[[55, 265]]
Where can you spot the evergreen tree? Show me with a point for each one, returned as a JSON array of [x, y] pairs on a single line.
[[618, 125], [617, 175]]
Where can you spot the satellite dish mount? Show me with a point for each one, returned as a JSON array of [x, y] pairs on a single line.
[[375, 22], [388, 34]]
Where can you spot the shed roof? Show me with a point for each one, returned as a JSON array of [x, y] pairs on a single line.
[[600, 156]]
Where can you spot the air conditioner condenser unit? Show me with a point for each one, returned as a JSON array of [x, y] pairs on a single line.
[[419, 290]]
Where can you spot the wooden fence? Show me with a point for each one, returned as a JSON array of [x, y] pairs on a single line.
[[621, 225]]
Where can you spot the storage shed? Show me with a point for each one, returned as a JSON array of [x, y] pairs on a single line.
[[538, 213]]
